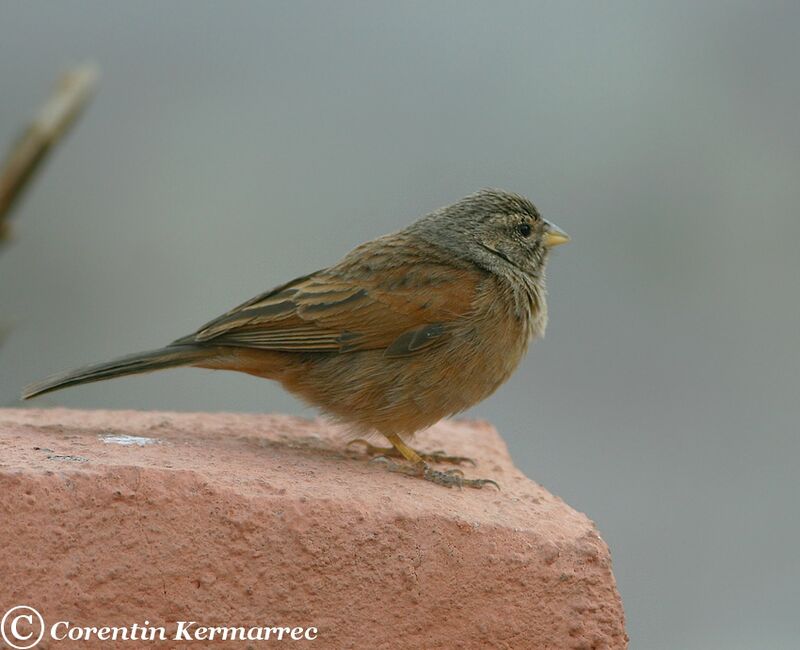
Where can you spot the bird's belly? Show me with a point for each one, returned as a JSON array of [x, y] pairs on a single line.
[[373, 392]]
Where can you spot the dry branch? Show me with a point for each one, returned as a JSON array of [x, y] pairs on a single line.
[[72, 92]]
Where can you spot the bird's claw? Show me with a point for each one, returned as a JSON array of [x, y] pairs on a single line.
[[440, 456], [455, 478], [449, 478]]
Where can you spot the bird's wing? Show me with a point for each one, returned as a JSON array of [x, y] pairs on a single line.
[[402, 309]]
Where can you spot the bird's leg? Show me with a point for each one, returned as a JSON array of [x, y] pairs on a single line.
[[418, 467], [438, 456]]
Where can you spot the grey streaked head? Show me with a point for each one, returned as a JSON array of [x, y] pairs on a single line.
[[498, 230]]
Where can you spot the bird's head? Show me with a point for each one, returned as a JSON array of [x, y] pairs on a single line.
[[497, 230]]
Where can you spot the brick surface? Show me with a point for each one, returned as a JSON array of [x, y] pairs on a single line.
[[115, 518]]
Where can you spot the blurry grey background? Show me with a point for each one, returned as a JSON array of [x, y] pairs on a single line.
[[233, 146]]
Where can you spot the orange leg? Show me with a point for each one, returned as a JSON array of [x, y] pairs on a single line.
[[418, 467]]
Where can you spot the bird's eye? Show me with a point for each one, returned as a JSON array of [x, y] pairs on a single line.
[[524, 229]]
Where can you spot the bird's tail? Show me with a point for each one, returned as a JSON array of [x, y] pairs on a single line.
[[133, 364]]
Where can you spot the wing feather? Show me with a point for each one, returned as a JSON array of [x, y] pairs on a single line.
[[401, 308]]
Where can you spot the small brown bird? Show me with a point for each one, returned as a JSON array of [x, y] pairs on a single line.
[[405, 330]]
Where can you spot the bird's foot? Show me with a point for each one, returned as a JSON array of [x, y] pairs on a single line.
[[450, 478], [438, 456]]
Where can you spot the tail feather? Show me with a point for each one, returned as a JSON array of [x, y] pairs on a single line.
[[133, 364]]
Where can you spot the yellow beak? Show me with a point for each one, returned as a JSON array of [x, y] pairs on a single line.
[[554, 236]]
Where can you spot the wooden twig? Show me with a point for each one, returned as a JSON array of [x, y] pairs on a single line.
[[73, 91]]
